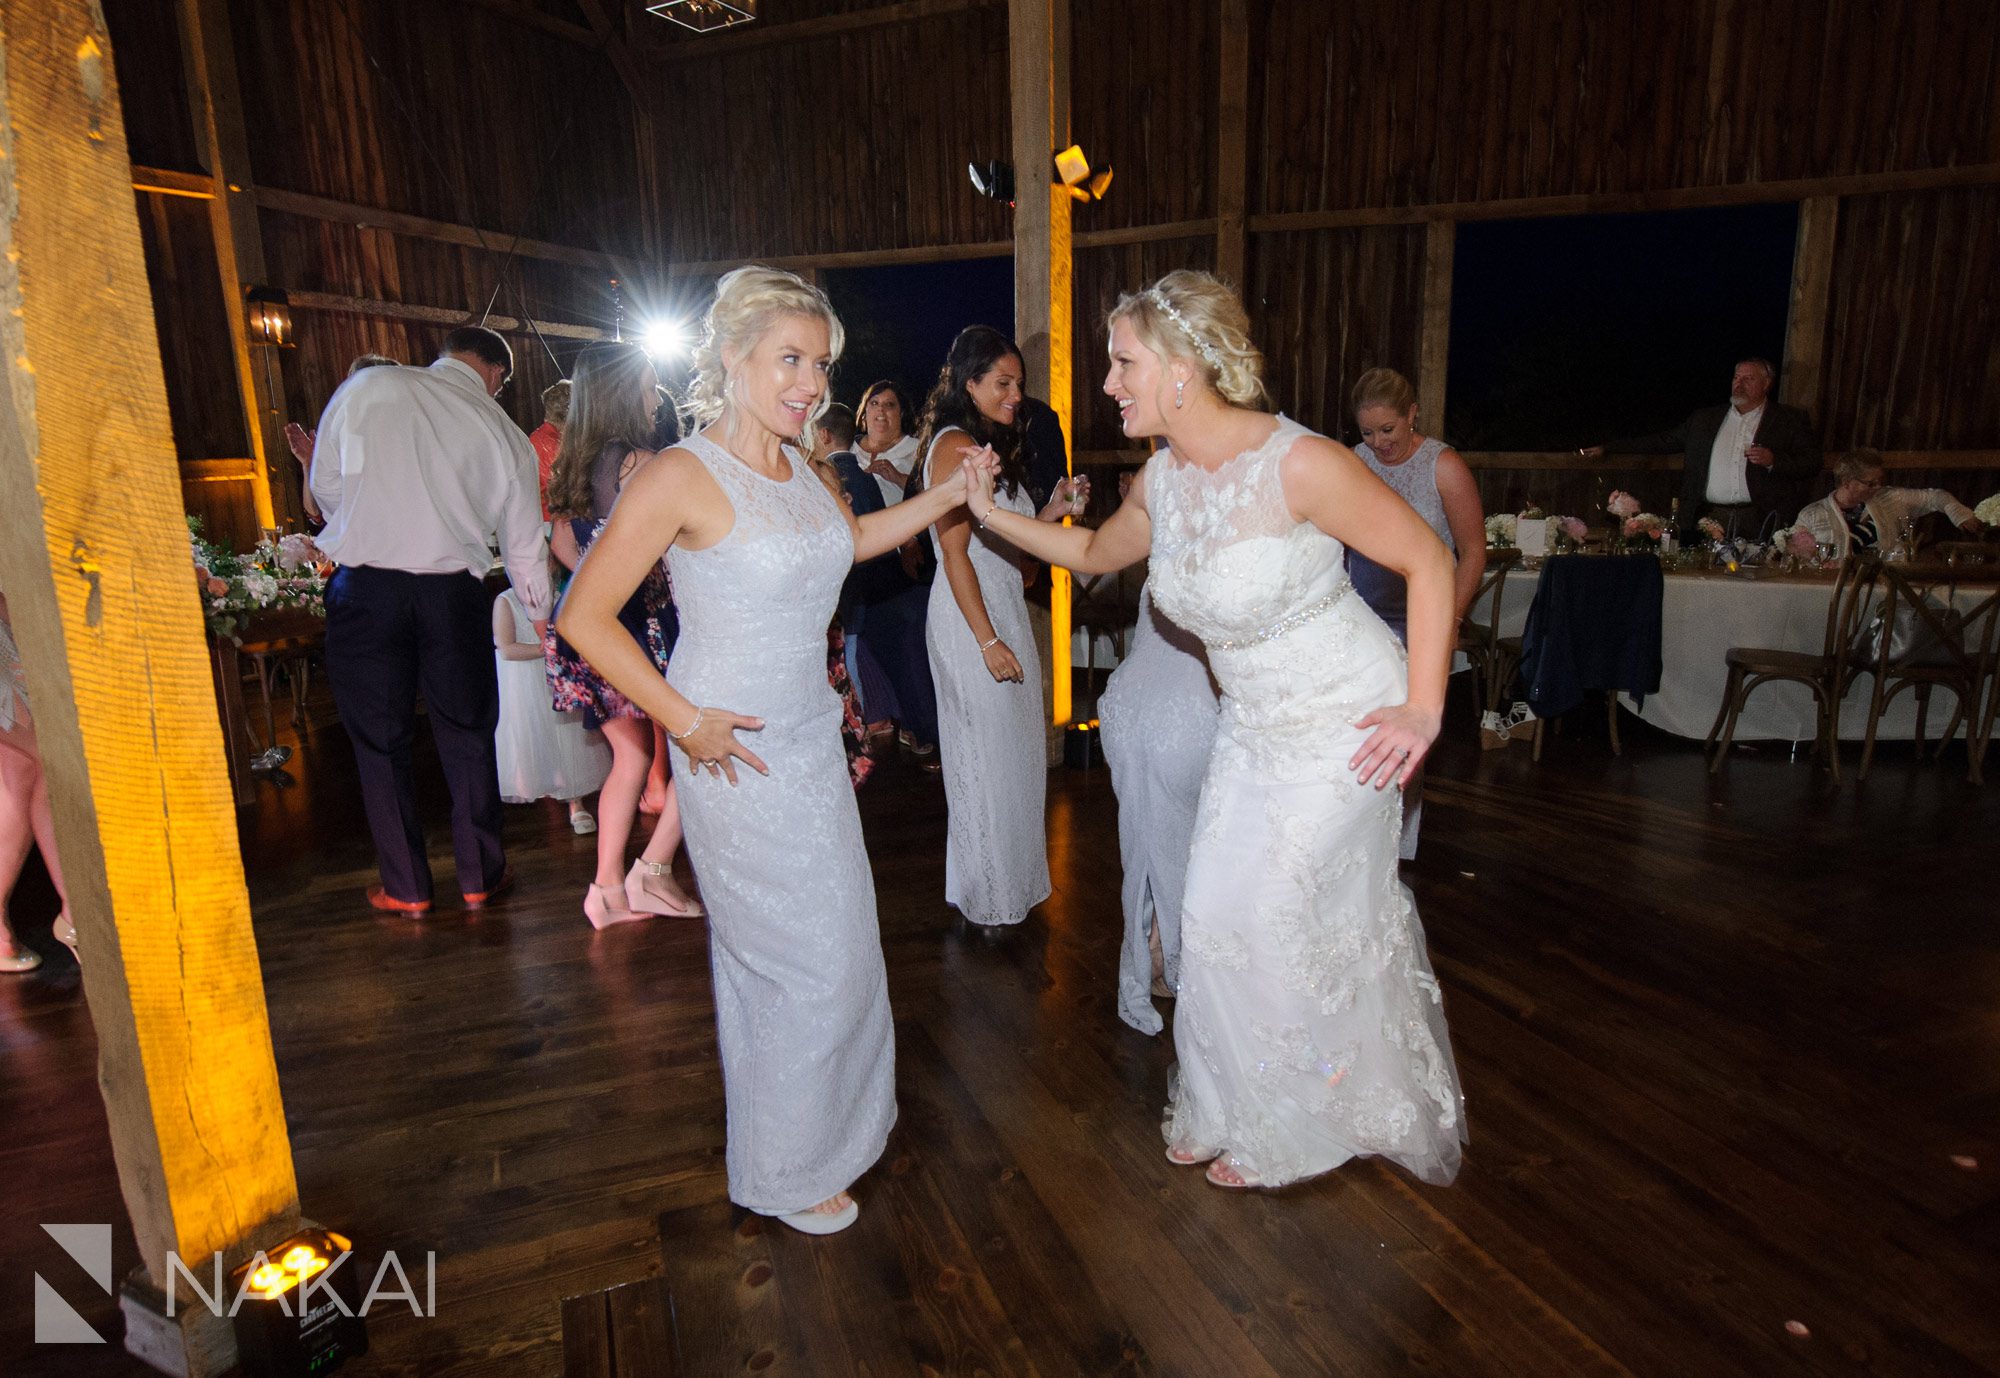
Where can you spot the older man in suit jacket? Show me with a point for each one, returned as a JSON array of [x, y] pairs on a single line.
[[1747, 464]]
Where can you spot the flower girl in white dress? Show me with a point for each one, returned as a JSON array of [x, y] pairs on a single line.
[[1310, 1028], [543, 754]]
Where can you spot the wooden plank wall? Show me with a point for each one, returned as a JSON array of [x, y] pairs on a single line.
[[1913, 357], [854, 141], [1377, 109], [1378, 103], [435, 108], [1143, 80], [1373, 112]]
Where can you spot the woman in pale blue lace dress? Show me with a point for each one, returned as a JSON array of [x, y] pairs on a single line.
[[1158, 715], [758, 546], [1309, 1026]]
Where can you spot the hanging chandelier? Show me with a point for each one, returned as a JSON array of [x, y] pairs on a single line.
[[706, 16]]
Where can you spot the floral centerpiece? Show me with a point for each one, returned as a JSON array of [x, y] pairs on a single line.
[[1500, 531], [1642, 530], [1621, 505], [1989, 511], [1711, 529], [1568, 533], [288, 573]]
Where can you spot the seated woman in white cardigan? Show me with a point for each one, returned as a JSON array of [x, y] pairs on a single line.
[[1860, 512]]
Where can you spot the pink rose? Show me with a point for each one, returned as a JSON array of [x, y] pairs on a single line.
[[1574, 528], [1621, 504], [217, 587]]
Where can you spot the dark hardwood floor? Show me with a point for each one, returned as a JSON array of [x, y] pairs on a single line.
[[1722, 1040]]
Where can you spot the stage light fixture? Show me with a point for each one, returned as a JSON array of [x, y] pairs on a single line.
[[994, 179], [706, 16], [664, 338], [1073, 170], [282, 1329], [271, 318]]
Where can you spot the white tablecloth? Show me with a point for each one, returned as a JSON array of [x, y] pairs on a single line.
[[1702, 616]]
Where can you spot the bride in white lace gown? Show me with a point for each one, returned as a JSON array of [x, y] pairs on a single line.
[[758, 547], [982, 649], [1310, 1027]]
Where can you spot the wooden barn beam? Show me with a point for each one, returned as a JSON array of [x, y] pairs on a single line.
[[1617, 203], [615, 48], [439, 315], [1434, 338], [117, 670], [166, 182], [645, 141], [862, 258], [1232, 141], [673, 48], [223, 143], [420, 227], [1812, 292], [535, 19], [1148, 234], [1038, 71]]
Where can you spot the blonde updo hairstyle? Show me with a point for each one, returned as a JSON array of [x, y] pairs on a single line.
[[1215, 339], [748, 302], [1384, 387]]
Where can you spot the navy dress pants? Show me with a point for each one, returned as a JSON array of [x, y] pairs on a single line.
[[893, 632], [391, 634]]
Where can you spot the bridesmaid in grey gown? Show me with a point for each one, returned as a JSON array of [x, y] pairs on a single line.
[[1158, 717], [758, 546]]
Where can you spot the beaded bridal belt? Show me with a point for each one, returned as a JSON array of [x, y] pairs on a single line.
[[1287, 622]]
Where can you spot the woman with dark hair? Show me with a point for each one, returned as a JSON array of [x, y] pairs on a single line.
[[613, 399], [882, 441], [982, 650]]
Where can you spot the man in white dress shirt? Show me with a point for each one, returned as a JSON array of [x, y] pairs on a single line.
[[1748, 465], [418, 471]]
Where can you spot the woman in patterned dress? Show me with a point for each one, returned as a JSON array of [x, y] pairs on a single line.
[[612, 400]]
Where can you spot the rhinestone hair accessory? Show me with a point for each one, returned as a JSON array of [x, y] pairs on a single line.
[[1167, 309]]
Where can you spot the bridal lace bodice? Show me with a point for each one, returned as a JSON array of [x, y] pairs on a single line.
[[1310, 1027]]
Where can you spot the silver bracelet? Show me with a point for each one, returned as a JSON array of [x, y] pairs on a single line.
[[989, 513], [989, 645], [693, 727]]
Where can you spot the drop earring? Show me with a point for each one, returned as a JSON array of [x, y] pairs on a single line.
[[1180, 394]]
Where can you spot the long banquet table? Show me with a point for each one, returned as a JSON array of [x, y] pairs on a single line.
[[1704, 614]]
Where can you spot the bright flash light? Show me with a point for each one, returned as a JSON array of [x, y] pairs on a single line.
[[663, 338]]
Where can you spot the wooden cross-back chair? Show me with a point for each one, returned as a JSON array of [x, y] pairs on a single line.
[[1951, 648], [1828, 674], [1493, 657]]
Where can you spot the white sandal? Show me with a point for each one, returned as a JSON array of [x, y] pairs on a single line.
[[817, 1222]]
